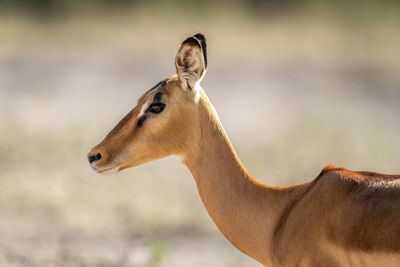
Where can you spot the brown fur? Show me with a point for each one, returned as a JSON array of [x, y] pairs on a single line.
[[341, 218]]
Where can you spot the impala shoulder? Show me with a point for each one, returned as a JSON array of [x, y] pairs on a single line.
[[330, 169], [332, 172], [333, 178], [343, 175]]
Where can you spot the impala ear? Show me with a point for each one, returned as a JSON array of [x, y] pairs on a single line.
[[191, 61]]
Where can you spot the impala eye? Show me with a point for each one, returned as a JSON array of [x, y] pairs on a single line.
[[156, 108]]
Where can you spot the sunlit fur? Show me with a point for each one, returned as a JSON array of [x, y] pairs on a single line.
[[341, 218]]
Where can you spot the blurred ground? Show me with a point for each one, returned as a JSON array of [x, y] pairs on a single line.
[[294, 94]]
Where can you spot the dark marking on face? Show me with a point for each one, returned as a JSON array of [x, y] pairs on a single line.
[[162, 83], [156, 100], [141, 121], [157, 97], [157, 106]]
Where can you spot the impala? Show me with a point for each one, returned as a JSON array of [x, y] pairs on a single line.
[[341, 218]]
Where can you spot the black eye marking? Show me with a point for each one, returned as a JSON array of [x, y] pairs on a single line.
[[156, 108], [162, 83], [141, 121], [157, 97]]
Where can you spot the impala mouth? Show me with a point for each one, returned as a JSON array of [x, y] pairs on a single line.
[[107, 170]]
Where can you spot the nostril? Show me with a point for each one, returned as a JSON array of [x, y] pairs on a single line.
[[94, 157]]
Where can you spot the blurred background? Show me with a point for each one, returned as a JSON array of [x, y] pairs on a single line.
[[297, 85]]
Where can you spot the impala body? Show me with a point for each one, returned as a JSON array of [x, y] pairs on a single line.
[[341, 218]]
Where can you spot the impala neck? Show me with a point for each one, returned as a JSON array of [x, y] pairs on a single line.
[[244, 210]]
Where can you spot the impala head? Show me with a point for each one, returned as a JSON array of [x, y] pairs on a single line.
[[164, 121]]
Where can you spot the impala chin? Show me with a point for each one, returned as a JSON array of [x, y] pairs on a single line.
[[112, 169]]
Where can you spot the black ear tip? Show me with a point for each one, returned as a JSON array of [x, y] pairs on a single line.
[[200, 41], [203, 44], [200, 37], [192, 41]]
